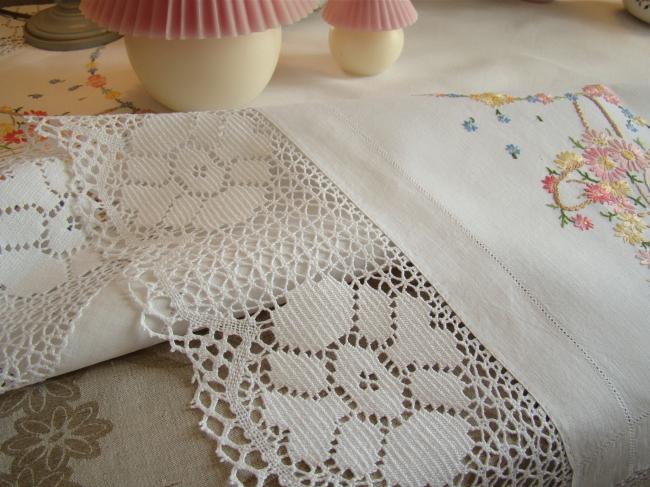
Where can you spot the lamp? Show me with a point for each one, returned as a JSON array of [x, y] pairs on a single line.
[[200, 54], [367, 35]]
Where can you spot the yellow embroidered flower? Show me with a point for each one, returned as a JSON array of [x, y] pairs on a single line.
[[6, 109], [618, 188], [5, 128], [91, 65], [569, 161], [493, 99], [112, 94], [630, 228]]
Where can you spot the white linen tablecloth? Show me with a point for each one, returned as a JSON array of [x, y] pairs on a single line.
[[456, 47]]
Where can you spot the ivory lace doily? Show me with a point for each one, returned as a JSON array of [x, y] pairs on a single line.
[[321, 355]]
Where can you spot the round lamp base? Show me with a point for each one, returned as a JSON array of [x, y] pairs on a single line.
[[364, 53], [205, 74], [64, 28]]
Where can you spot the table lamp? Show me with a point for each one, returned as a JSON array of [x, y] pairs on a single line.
[[200, 54], [366, 36]]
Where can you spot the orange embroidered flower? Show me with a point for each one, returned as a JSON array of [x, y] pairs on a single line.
[[15, 137], [96, 80], [36, 113]]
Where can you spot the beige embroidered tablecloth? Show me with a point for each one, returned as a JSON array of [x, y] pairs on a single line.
[[35, 415]]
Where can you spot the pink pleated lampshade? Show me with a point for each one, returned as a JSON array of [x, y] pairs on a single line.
[[194, 19], [370, 15]]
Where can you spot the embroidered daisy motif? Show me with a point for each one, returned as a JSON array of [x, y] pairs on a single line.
[[628, 156], [602, 163], [595, 138], [629, 228], [569, 161]]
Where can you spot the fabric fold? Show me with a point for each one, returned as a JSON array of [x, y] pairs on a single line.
[[422, 288]]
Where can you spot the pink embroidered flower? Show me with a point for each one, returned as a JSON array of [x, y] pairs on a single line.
[[594, 138], [602, 165], [582, 222], [544, 98], [549, 183], [598, 91], [621, 206], [644, 257], [628, 156], [598, 194]]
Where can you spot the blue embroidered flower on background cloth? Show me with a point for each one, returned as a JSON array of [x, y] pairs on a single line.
[[627, 112], [532, 99], [571, 96], [502, 118], [513, 150], [470, 125]]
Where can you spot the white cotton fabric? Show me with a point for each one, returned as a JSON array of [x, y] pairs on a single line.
[[459, 46], [567, 311], [321, 355]]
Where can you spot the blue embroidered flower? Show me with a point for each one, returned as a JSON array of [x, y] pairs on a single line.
[[503, 118], [532, 99], [627, 112], [630, 125], [470, 125], [513, 150]]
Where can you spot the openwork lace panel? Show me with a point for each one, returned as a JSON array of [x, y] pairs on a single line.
[[321, 355]]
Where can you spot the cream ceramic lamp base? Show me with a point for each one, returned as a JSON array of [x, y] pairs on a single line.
[[639, 8], [205, 74], [365, 53]]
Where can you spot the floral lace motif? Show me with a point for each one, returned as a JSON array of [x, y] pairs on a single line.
[[321, 355], [48, 272]]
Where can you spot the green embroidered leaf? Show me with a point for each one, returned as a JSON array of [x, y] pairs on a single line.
[[633, 177], [640, 143], [564, 219], [637, 201], [609, 215], [585, 177], [576, 143]]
